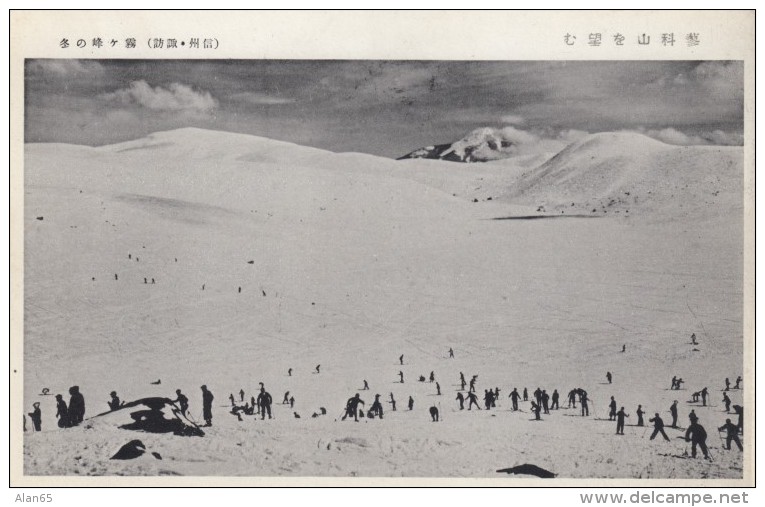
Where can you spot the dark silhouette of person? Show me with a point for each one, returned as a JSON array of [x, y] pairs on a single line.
[[731, 434], [695, 396], [318, 366], [624, 348], [461, 399], [608, 376], [673, 412], [254, 404], [496, 397], [536, 408], [693, 417], [366, 386], [739, 410], [401, 359], [392, 402], [525, 394], [472, 384], [114, 403], [411, 403], [473, 400], [451, 353], [289, 372], [183, 401], [207, 399], [738, 383], [36, 416], [693, 339], [434, 413], [286, 398], [62, 412], [620, 415], [231, 399], [438, 389], [583, 400], [572, 398], [658, 427], [680, 383], [555, 397], [152, 281], [264, 400], [538, 396], [698, 437], [432, 376], [377, 407], [704, 393], [612, 409], [674, 383], [545, 401], [514, 396], [726, 400], [145, 280], [401, 377], [462, 381], [292, 402], [487, 396], [76, 406], [640, 413], [727, 384], [241, 394], [352, 407]]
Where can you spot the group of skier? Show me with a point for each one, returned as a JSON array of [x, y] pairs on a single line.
[[542, 402]]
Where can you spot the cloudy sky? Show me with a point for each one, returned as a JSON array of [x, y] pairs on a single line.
[[383, 108]]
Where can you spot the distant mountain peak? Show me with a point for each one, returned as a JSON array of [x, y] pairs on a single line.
[[480, 145]]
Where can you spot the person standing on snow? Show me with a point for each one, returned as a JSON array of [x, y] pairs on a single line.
[[555, 397], [658, 427], [514, 396], [620, 415], [182, 400], [472, 400], [726, 400], [673, 411], [62, 412], [352, 407], [76, 406], [732, 434], [698, 436], [612, 409], [207, 399], [264, 400], [36, 417]]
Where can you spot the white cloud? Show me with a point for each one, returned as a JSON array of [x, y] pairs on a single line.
[[513, 119], [727, 138], [176, 97], [673, 136], [66, 68], [261, 98]]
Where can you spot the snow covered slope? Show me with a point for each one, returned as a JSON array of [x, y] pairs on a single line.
[[200, 257], [629, 173]]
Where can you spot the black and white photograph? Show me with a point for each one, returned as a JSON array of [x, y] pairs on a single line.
[[384, 268]]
